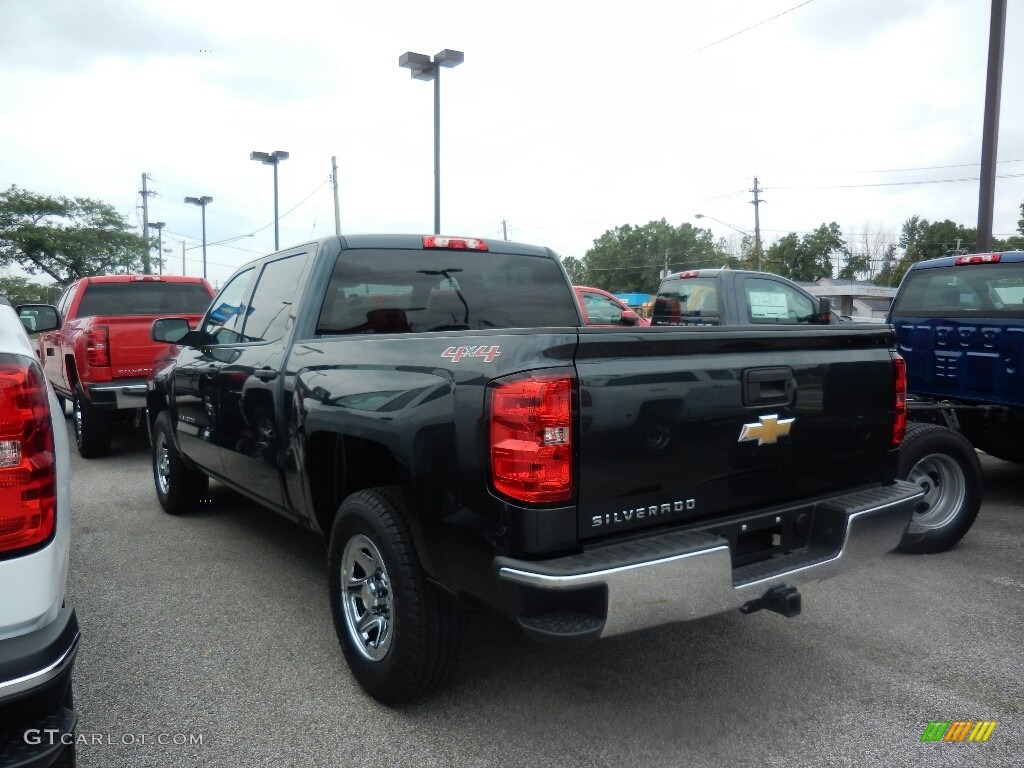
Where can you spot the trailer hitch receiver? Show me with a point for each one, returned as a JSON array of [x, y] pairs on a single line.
[[780, 599]]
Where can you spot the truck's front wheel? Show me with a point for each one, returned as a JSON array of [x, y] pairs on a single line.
[[92, 427], [945, 465], [179, 487], [398, 635]]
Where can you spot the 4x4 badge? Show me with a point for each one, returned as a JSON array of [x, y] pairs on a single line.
[[768, 430]]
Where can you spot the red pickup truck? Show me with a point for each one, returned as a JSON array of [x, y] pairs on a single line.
[[101, 355]]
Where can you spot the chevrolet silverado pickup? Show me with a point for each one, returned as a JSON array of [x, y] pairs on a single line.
[[959, 324], [737, 297], [429, 405], [101, 355], [39, 634]]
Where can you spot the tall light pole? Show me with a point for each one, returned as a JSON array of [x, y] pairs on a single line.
[[274, 159], [202, 202], [159, 227], [423, 68]]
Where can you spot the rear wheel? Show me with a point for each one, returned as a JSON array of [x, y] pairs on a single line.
[[398, 635], [944, 464], [179, 487], [92, 427]]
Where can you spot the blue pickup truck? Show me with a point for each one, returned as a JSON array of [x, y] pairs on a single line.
[[959, 324]]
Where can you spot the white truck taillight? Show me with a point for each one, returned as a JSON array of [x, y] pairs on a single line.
[[97, 346], [531, 438], [899, 421], [28, 487]]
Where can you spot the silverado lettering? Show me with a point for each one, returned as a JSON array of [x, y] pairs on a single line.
[[542, 469]]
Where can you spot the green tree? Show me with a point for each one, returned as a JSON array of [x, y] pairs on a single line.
[[21, 290], [921, 239], [808, 258], [630, 259], [576, 268], [66, 238], [856, 267]]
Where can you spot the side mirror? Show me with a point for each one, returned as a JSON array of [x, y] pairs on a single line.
[[170, 330], [38, 318], [629, 317], [824, 311]]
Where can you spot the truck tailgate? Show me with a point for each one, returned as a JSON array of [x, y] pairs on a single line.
[[132, 351], [686, 426]]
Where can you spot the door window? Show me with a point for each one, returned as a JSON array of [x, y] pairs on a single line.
[[769, 301], [601, 310]]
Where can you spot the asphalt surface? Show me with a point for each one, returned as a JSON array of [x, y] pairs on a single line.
[[215, 628]]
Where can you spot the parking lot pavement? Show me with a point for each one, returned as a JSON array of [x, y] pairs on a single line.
[[207, 640]]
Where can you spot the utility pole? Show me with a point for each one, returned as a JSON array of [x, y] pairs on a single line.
[[146, 267], [504, 230], [183, 257], [756, 202], [334, 181], [665, 273], [990, 130]]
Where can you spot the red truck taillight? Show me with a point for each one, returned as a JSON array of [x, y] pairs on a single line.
[[28, 485], [531, 438], [899, 422], [97, 346]]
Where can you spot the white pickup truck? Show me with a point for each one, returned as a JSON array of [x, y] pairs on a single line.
[[38, 633]]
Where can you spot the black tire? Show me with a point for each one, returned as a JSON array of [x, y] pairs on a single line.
[[946, 466], [179, 486], [92, 427], [398, 635]]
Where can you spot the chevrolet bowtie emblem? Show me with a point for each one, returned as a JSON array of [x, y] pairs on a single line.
[[768, 430]]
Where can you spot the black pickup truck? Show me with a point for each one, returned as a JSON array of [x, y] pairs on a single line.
[[436, 408]]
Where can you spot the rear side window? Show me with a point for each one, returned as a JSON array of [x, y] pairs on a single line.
[[687, 301], [992, 290], [144, 298], [272, 304], [399, 291]]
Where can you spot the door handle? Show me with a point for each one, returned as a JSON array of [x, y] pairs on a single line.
[[768, 386], [265, 374]]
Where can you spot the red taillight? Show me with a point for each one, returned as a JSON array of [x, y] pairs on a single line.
[[28, 487], [977, 258], [531, 438], [97, 346], [899, 421], [688, 274], [454, 243]]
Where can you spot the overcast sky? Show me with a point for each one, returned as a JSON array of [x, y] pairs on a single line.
[[567, 118]]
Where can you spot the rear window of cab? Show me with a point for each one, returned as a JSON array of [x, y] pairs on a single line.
[[990, 290], [415, 291]]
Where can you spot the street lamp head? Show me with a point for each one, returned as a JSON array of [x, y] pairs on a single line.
[[698, 215], [420, 65], [269, 158], [199, 200], [156, 225], [449, 58]]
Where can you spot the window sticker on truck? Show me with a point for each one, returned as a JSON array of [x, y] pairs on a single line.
[[457, 353]]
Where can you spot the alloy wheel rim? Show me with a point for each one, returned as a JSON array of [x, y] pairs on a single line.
[[163, 465], [366, 598]]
